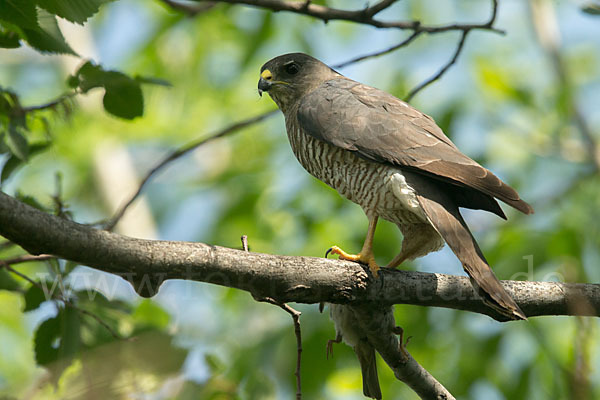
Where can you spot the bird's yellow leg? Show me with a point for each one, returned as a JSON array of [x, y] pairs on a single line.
[[366, 255]]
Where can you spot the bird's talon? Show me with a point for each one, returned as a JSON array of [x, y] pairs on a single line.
[[363, 258], [330, 342], [329, 350], [402, 345]]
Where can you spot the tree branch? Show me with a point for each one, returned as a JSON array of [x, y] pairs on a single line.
[[395, 47], [147, 263], [442, 71], [378, 324], [51, 104], [295, 314], [364, 16]]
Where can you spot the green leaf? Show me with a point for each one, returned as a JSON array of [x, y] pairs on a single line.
[[45, 340], [34, 296], [89, 76], [10, 166], [48, 38], [7, 282], [19, 12], [9, 39], [124, 99], [216, 365], [70, 330], [3, 147], [13, 163], [30, 201], [16, 142], [73, 10], [72, 81], [8, 101], [150, 313], [58, 337]]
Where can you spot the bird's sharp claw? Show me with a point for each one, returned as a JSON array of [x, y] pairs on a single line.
[[330, 343], [329, 350], [366, 258], [328, 251]]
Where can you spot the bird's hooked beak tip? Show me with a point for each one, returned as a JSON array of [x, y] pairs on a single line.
[[263, 86], [265, 82]]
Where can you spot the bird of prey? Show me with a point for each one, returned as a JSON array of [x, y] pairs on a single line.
[[393, 161]]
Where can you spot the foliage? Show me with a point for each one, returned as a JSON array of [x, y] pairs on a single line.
[[504, 104]]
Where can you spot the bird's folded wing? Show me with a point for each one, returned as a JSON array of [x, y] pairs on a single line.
[[445, 217], [379, 127]]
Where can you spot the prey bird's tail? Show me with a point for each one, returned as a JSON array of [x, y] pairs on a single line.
[[445, 217], [368, 366]]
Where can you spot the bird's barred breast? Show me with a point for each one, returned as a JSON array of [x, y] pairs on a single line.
[[378, 188]]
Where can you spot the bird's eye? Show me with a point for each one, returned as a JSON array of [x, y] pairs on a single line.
[[292, 68]]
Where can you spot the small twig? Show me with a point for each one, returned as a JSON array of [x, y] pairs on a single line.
[[51, 104], [25, 258], [296, 318], [6, 264], [403, 43], [99, 320], [442, 71], [180, 153], [377, 8]]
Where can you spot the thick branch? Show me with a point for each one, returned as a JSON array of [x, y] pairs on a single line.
[[375, 322], [146, 263]]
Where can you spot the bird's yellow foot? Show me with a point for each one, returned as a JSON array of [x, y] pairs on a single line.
[[363, 258]]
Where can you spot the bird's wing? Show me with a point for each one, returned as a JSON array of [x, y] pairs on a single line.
[[445, 217], [379, 127]]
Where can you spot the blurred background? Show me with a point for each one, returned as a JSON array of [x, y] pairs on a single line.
[[524, 104]]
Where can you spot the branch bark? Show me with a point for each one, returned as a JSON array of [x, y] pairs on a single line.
[[147, 263]]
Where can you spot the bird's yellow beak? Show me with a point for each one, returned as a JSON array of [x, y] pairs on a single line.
[[265, 81]]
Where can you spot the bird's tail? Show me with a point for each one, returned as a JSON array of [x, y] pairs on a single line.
[[368, 366], [445, 217]]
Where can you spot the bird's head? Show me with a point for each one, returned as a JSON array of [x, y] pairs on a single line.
[[289, 77]]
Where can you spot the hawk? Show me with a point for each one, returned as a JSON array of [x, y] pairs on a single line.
[[393, 161]]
